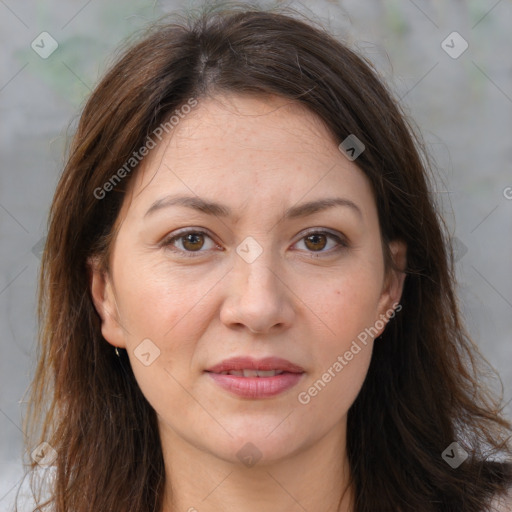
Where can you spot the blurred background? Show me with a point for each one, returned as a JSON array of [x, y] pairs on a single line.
[[449, 61]]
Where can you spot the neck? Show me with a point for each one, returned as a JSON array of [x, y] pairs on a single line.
[[314, 478]]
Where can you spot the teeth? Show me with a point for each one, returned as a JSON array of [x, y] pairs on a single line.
[[267, 373], [250, 373], [253, 373]]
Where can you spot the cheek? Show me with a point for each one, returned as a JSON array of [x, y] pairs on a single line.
[[346, 302], [347, 307], [157, 300], [156, 309], [172, 309], [331, 392], [342, 355]]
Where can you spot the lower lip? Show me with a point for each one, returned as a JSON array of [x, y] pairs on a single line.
[[257, 387]]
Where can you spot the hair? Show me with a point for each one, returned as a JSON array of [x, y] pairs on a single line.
[[425, 385]]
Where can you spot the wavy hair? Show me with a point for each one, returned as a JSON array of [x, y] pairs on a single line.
[[425, 387]]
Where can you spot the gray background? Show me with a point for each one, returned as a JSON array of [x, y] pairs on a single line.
[[463, 107]]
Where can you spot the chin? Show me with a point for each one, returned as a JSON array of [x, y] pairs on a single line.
[[256, 446]]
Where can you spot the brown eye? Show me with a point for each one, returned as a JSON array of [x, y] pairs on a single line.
[[189, 243], [316, 242], [319, 243], [193, 241]]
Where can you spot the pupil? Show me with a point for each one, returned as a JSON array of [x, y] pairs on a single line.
[[192, 239], [189, 239], [316, 237]]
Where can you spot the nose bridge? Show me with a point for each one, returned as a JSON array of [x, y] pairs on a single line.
[[257, 296], [256, 265]]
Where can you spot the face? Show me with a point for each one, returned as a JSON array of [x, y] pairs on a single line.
[[274, 262]]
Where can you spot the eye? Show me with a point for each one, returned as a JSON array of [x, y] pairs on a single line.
[[191, 241], [317, 241]]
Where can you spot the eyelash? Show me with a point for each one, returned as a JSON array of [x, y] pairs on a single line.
[[168, 242]]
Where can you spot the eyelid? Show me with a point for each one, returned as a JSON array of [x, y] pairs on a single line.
[[167, 242], [339, 238]]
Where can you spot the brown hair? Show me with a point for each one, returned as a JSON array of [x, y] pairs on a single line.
[[423, 388]]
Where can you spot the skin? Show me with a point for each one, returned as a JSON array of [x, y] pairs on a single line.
[[300, 300]]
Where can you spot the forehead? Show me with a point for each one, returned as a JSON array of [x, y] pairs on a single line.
[[271, 119], [244, 146]]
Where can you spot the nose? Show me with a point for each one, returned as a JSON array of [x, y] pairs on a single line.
[[258, 297]]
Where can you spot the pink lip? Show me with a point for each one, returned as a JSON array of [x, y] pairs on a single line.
[[249, 363], [256, 387]]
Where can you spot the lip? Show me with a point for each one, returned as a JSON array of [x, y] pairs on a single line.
[[249, 363], [256, 387]]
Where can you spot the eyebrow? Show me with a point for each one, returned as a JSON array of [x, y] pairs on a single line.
[[220, 210]]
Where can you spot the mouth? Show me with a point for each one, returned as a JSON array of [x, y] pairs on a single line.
[[254, 379], [246, 366], [252, 373]]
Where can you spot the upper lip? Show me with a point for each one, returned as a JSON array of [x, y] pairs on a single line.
[[249, 363]]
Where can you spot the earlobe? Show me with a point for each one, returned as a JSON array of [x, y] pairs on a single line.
[[398, 250], [395, 278], [103, 297], [96, 286]]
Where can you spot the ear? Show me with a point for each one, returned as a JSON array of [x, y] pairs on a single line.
[[102, 292], [394, 281]]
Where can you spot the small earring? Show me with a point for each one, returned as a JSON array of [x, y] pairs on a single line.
[[117, 352]]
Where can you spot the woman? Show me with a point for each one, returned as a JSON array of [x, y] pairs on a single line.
[[247, 295]]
